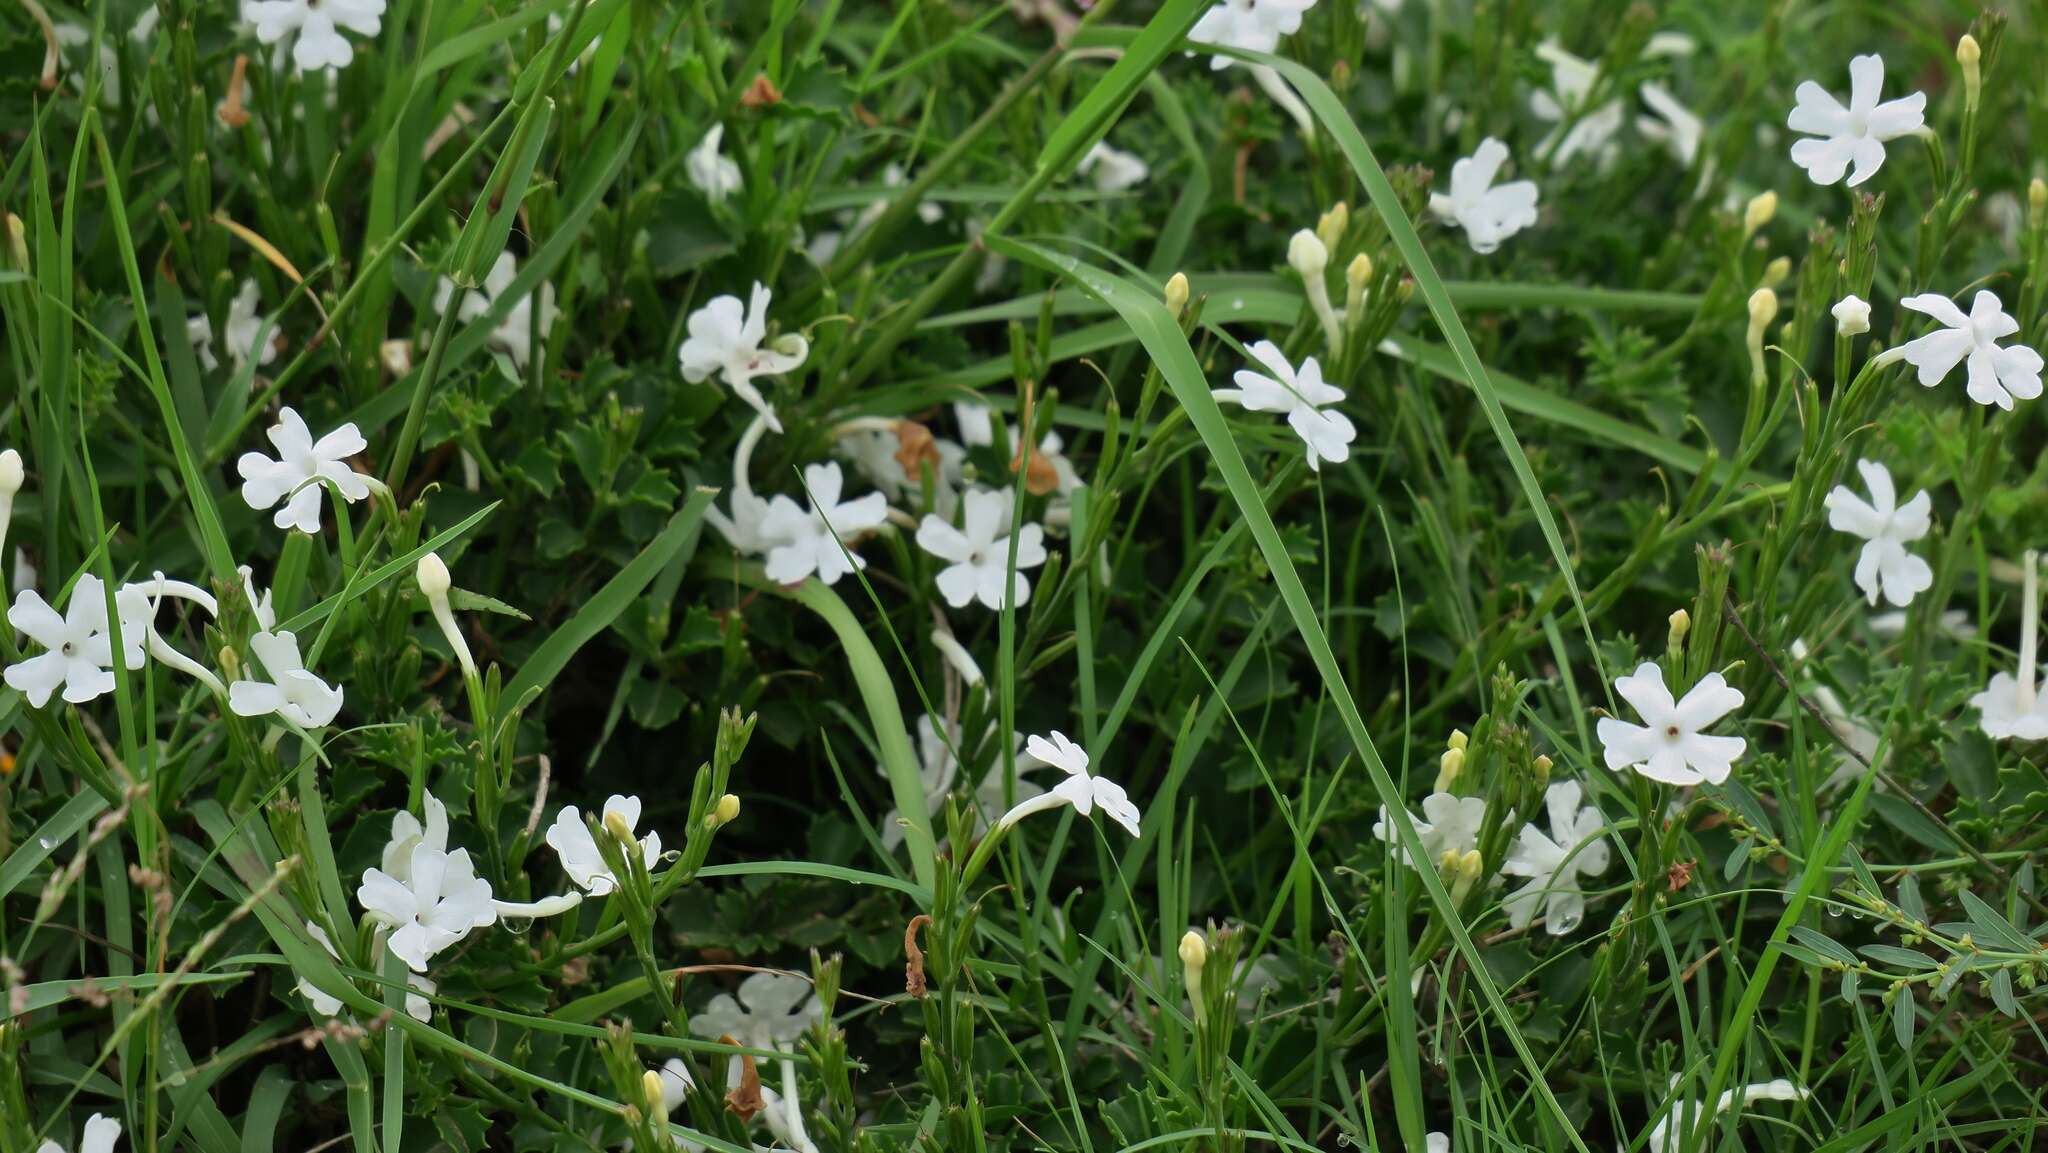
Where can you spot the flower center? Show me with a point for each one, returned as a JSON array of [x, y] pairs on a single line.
[[70, 649], [1671, 732]]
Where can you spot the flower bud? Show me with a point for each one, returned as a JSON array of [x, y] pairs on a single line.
[[727, 810], [1681, 624], [616, 825], [1763, 308], [652, 1089], [432, 574], [17, 242], [1969, 56], [1542, 766], [1852, 316], [435, 582], [1758, 212], [1458, 740], [1357, 275], [2037, 198], [1464, 872], [11, 473], [1307, 255], [1777, 272], [1177, 294], [1194, 953], [1448, 767], [1334, 223]]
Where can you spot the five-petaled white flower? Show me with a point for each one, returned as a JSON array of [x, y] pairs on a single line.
[[1668, 1135], [292, 692], [78, 650], [1250, 25], [1997, 375], [318, 24], [1670, 745], [979, 551], [1555, 861], [302, 464], [513, 334], [2012, 707], [1837, 136], [1081, 789], [1852, 315], [570, 838], [1886, 527], [245, 328], [716, 175], [772, 1010], [1449, 824], [809, 540], [1114, 170], [725, 338], [1487, 213], [1302, 396], [438, 903], [100, 1135]]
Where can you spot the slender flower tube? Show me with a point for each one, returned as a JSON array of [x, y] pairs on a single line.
[[1308, 257], [435, 582]]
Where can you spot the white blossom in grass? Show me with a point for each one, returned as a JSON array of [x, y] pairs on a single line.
[[1488, 213], [570, 838], [1996, 375], [246, 335], [2012, 707], [78, 653], [1449, 825], [1302, 396], [137, 604], [1114, 170], [810, 540], [745, 529], [1671, 124], [513, 334], [977, 422], [726, 340], [979, 552], [296, 476], [1887, 527], [292, 692], [1668, 1135], [440, 901], [1836, 136], [1571, 82], [938, 771], [318, 25], [1250, 25], [1671, 745], [716, 175], [100, 1136], [416, 1004], [1081, 789], [1555, 861], [1852, 315], [435, 582], [770, 1011]]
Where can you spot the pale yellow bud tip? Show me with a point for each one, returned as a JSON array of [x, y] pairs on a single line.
[[1458, 740], [651, 1089], [1761, 208], [1177, 293], [11, 472], [1776, 272], [1194, 952], [1333, 225], [1306, 254], [728, 809], [1967, 51], [1448, 767], [1681, 624], [1359, 270], [2037, 194], [615, 824], [432, 574], [1763, 308], [1543, 763]]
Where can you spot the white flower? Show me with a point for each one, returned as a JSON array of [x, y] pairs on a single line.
[[980, 555], [245, 328], [1114, 170], [438, 903], [2010, 707], [1674, 125], [1668, 1135], [318, 24], [408, 833], [1886, 527], [78, 650], [956, 655], [1997, 375], [675, 1084], [570, 838], [514, 332], [937, 771], [1488, 214], [1081, 789], [416, 1006], [746, 529], [1437, 1143], [1835, 135], [1852, 315], [725, 338], [772, 1010], [1302, 396], [1571, 82], [101, 1132], [303, 463], [1449, 824], [715, 175], [1250, 25], [1552, 864], [977, 423], [806, 540], [1670, 746], [292, 692]]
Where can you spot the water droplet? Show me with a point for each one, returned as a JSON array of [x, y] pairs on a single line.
[[1237, 303]]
